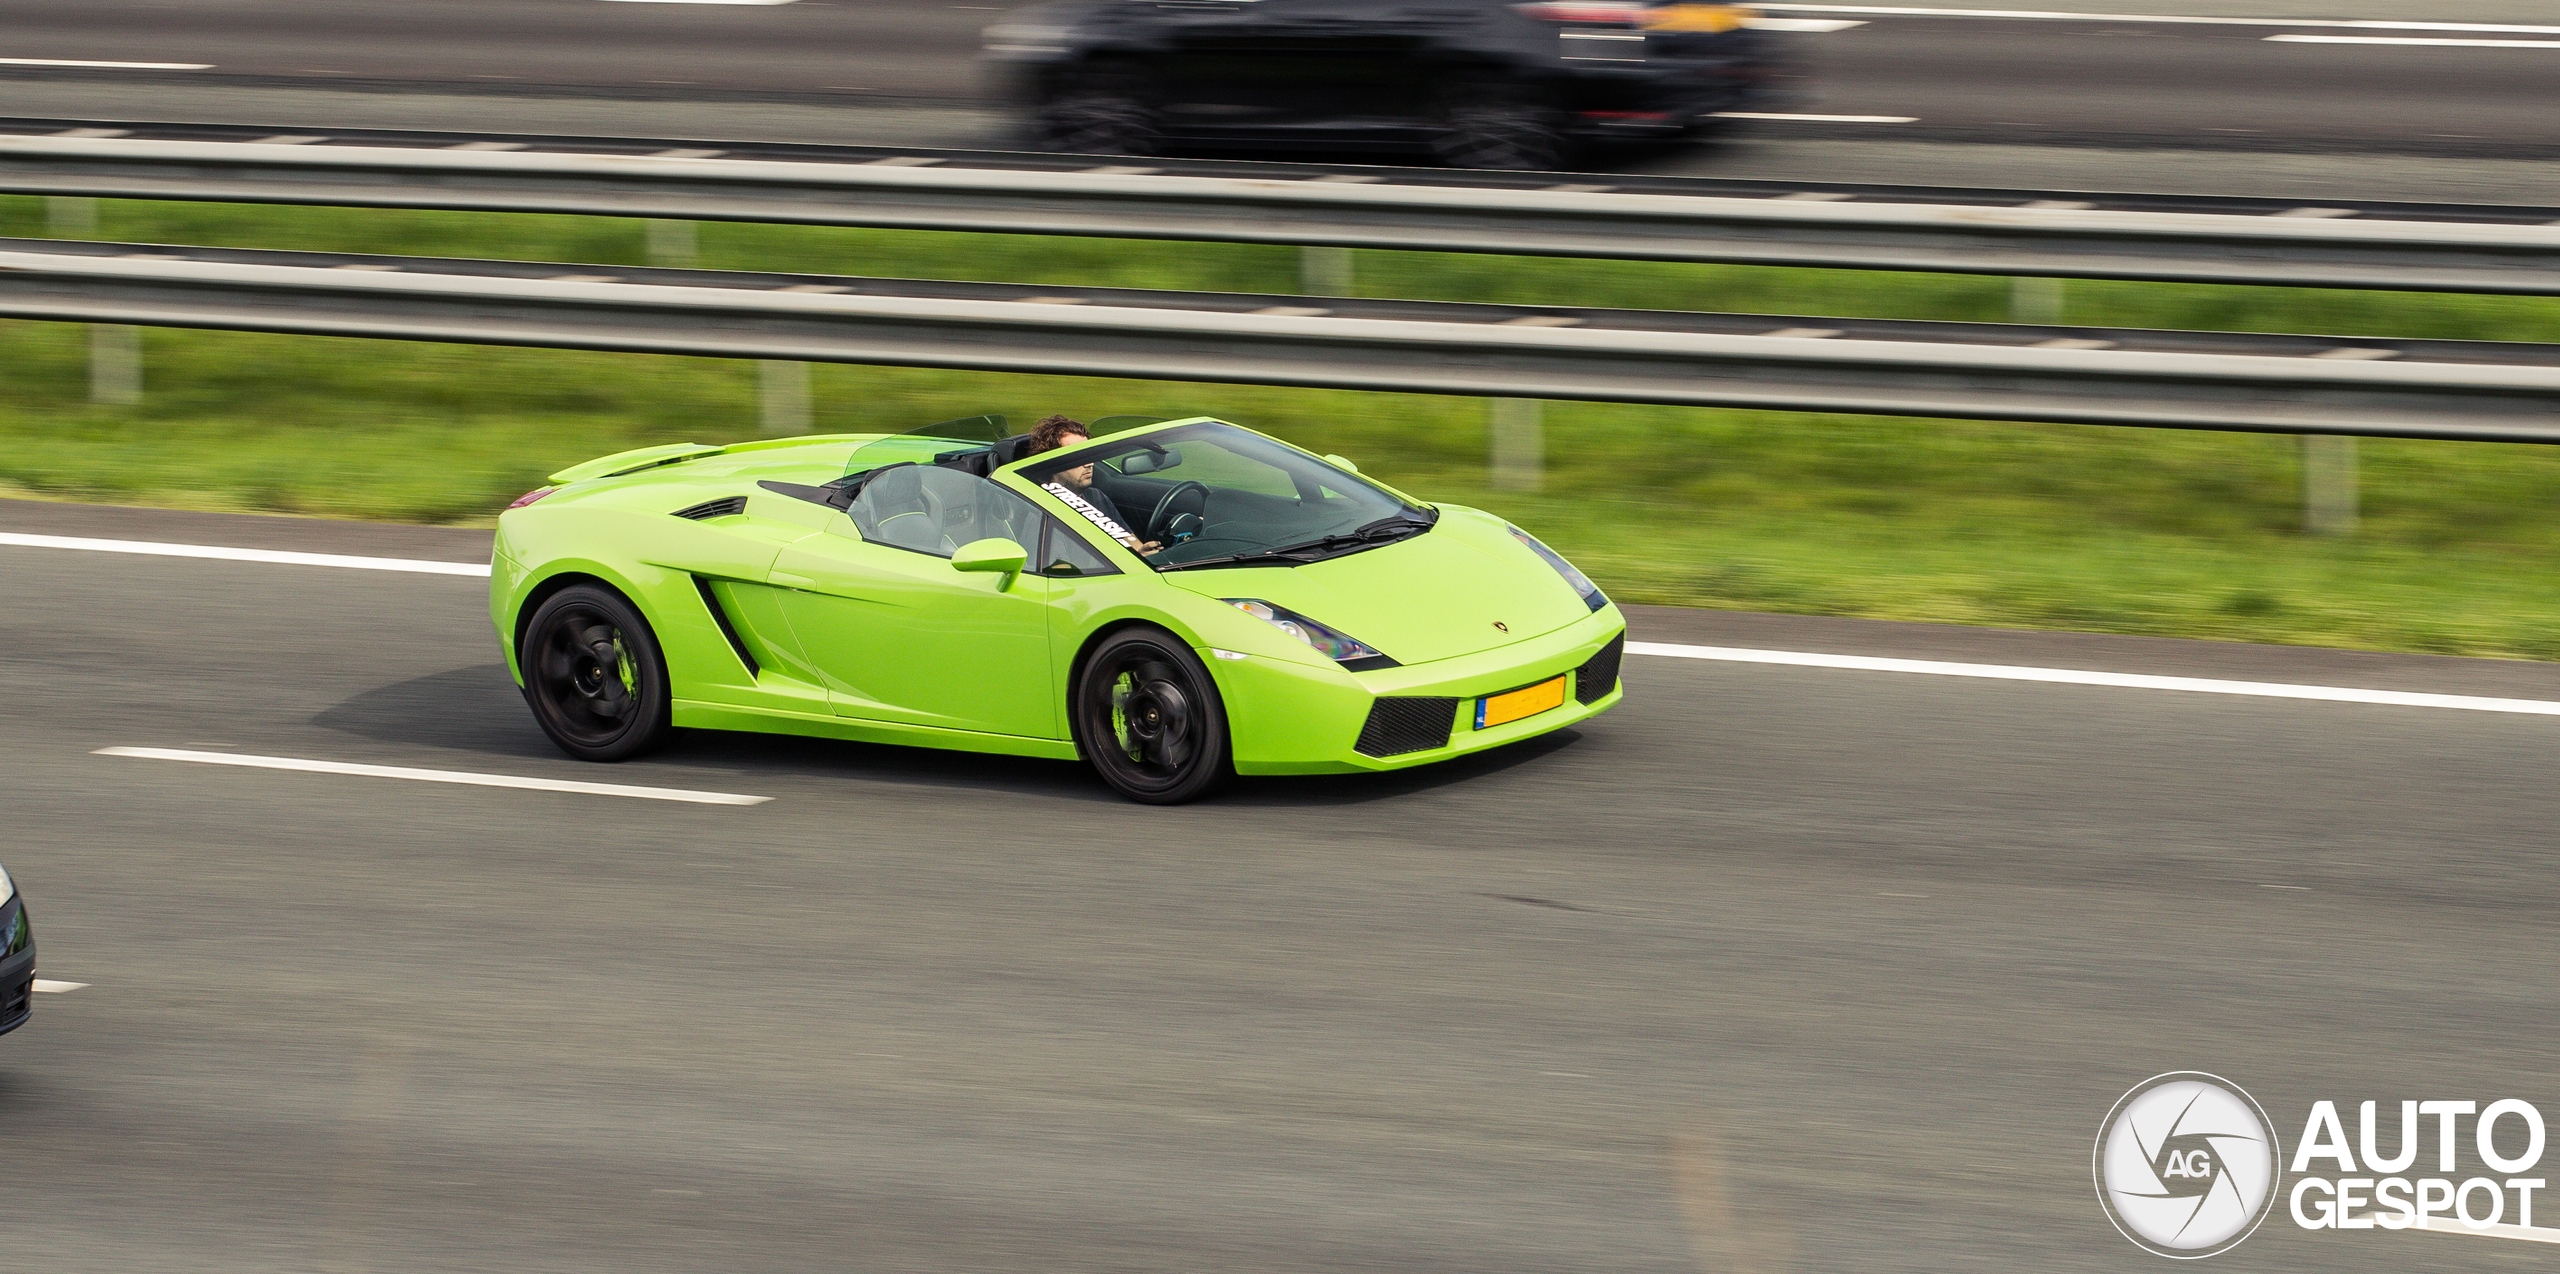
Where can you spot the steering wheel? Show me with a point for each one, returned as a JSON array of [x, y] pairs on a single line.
[[1167, 525]]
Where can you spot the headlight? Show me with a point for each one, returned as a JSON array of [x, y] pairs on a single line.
[[1582, 584], [8, 888], [1349, 651]]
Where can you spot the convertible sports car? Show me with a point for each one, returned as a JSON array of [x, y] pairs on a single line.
[[1172, 601]]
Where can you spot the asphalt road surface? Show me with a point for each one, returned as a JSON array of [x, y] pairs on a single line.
[[2113, 82], [1774, 968]]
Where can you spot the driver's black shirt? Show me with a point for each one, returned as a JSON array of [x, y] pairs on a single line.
[[1101, 499]]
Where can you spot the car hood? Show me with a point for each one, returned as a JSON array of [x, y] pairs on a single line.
[[1462, 587]]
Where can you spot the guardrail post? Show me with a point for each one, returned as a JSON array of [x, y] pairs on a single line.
[[115, 365], [784, 400], [2034, 300], [1519, 444], [71, 217], [672, 243], [2328, 484], [1324, 271]]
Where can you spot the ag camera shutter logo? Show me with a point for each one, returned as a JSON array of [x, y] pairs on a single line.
[[2186, 1164]]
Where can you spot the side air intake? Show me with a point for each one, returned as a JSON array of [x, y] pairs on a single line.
[[1409, 724], [710, 509]]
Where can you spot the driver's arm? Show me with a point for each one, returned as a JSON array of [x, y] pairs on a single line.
[[1102, 500]]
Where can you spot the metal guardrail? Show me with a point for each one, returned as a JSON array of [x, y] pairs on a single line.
[[2481, 250], [2483, 391]]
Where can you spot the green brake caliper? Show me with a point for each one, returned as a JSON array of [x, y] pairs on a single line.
[[1120, 692]]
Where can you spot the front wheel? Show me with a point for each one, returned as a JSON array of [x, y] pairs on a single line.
[[594, 676], [1148, 717]]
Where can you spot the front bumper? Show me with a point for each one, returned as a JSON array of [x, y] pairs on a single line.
[[1289, 718], [17, 972]]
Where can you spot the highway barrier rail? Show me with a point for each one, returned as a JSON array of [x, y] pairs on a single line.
[[2487, 391], [2411, 247]]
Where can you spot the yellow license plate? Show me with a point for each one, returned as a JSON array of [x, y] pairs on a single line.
[[1511, 705]]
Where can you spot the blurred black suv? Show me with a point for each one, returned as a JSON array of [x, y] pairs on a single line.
[[17, 958], [1481, 83]]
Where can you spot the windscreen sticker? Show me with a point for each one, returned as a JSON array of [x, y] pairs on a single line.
[[1091, 514]]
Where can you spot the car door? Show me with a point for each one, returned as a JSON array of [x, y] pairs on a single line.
[[1246, 68], [901, 636]]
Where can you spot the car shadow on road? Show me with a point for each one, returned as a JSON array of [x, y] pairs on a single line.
[[479, 710], [475, 709]]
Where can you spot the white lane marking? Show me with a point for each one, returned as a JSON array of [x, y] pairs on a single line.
[[43, 987], [1821, 119], [464, 777], [1816, 26], [2120, 680], [2433, 42], [701, 1], [2528, 1233], [108, 66], [2050, 15], [279, 557]]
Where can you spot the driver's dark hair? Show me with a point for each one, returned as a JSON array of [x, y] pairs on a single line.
[[1051, 433]]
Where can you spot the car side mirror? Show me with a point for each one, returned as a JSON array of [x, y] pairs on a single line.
[[992, 554], [1342, 463]]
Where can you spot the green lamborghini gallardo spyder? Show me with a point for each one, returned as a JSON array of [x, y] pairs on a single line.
[[1173, 601]]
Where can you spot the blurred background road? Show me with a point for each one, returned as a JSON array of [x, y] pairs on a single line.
[[2159, 101], [1772, 969]]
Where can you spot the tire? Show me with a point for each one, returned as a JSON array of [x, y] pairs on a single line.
[[1501, 132], [594, 675], [1097, 121], [1147, 716]]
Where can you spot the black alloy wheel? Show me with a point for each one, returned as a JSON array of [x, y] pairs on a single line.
[[1148, 717], [594, 675], [1098, 119], [1493, 130]]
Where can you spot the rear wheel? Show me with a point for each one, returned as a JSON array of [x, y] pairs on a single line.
[[1492, 129], [1148, 717], [594, 675], [1100, 111]]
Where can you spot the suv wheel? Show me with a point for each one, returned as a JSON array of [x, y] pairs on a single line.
[[1100, 121], [1503, 133]]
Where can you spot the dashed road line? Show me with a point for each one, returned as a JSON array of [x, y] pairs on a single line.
[[44, 987], [2157, 19], [1820, 119], [2528, 1233], [2424, 41], [150, 548], [83, 64], [463, 777], [2119, 680]]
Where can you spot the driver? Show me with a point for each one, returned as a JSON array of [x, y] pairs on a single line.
[[1054, 432]]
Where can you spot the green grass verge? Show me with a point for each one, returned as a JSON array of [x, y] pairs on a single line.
[[2037, 526]]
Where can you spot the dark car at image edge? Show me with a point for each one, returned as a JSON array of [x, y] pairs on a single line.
[[17, 957], [1477, 83]]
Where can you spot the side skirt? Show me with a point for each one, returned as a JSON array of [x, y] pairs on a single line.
[[693, 714]]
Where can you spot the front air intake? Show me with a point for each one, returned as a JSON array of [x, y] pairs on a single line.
[[709, 509], [1401, 725], [1593, 681]]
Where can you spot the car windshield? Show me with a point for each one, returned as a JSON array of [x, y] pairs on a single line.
[[1211, 494]]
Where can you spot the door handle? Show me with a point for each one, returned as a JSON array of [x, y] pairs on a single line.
[[785, 579]]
